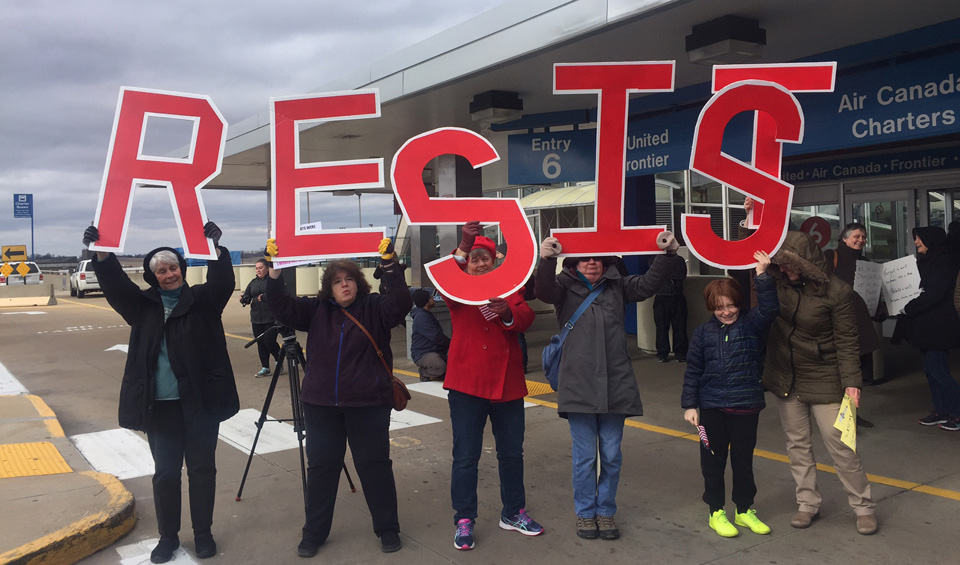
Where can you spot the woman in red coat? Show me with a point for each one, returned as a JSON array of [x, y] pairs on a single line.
[[485, 380]]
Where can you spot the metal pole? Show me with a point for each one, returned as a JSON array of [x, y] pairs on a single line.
[[359, 211]]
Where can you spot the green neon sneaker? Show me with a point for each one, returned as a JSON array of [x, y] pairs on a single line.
[[750, 520], [720, 524]]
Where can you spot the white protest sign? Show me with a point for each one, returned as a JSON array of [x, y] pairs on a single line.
[[866, 283], [901, 283]]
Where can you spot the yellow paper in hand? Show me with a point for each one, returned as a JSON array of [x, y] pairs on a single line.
[[847, 422]]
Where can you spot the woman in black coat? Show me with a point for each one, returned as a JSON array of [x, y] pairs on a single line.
[[930, 323], [178, 383]]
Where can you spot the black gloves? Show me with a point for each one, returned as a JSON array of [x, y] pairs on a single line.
[[210, 230], [90, 235]]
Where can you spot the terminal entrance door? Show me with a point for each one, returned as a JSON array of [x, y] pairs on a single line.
[[890, 219]]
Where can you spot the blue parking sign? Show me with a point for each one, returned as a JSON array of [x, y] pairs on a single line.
[[23, 206]]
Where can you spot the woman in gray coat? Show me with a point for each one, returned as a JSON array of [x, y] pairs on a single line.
[[597, 387]]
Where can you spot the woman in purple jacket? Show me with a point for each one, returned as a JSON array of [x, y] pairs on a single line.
[[347, 393]]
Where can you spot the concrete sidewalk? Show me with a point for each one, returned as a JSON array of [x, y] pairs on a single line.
[[73, 511]]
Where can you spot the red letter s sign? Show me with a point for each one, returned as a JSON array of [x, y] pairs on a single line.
[[420, 209], [128, 168]]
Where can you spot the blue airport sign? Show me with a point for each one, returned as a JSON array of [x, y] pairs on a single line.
[[22, 205]]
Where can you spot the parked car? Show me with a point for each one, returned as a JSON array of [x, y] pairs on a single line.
[[83, 280], [34, 276]]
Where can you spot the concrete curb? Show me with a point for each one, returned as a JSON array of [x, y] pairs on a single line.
[[85, 536], [96, 507]]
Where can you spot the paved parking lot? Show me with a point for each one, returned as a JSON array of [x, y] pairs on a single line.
[[72, 355]]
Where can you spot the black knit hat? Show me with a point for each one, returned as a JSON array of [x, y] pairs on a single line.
[[148, 273]]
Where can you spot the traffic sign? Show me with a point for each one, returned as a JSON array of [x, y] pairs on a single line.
[[23, 269], [23, 206], [6, 269], [14, 253]]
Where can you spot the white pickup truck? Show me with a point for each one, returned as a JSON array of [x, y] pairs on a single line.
[[83, 280]]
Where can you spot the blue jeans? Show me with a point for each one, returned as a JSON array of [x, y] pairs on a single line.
[[593, 497], [468, 416], [944, 390]]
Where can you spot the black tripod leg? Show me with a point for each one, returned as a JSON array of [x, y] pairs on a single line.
[[259, 423]]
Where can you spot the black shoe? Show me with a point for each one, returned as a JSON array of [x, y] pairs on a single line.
[[390, 541], [307, 548], [164, 550], [661, 358], [205, 546], [861, 423], [425, 379], [681, 359]]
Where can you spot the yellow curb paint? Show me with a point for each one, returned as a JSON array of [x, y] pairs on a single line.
[[407, 373], [50, 419], [87, 535], [31, 459], [536, 388], [235, 336]]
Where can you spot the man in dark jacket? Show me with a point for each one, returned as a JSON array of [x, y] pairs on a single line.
[[428, 343], [670, 312], [261, 318], [178, 383]]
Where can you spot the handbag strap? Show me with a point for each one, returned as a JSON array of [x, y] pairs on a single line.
[[372, 342], [583, 307]]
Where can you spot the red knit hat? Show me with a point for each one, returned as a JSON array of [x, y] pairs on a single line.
[[483, 242]]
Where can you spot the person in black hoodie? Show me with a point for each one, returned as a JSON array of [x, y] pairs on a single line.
[[178, 382], [930, 323], [261, 318]]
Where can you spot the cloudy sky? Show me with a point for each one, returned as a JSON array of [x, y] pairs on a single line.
[[63, 64]]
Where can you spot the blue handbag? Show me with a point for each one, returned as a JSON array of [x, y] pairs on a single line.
[[552, 351]]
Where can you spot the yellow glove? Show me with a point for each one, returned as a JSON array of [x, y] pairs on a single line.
[[386, 249], [270, 251]]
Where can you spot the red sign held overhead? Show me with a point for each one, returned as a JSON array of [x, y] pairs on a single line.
[[128, 168], [291, 177], [613, 83], [421, 209]]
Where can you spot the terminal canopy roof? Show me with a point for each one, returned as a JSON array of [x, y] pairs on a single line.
[[513, 48]]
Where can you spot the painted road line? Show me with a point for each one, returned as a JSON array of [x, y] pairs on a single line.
[[877, 479], [87, 304], [119, 347], [118, 452], [27, 313], [9, 385], [240, 430], [409, 419], [139, 553]]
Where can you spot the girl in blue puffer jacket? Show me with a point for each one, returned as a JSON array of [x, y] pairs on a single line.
[[723, 393]]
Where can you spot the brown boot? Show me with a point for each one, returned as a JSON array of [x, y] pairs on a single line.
[[803, 519], [867, 524]]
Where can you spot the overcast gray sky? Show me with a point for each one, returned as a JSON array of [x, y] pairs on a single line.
[[63, 64]]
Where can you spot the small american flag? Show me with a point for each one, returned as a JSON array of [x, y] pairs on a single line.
[[487, 313], [702, 432]]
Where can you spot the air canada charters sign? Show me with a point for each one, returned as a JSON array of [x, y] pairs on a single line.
[[766, 90]]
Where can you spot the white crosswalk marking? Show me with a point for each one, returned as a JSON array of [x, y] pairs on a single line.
[[139, 553], [119, 347], [9, 385], [240, 430], [408, 419], [118, 452]]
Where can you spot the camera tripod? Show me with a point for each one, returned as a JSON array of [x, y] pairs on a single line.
[[293, 353]]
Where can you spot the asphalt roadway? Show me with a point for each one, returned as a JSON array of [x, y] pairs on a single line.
[[66, 357]]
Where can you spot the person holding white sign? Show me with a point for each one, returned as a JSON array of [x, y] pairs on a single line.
[[930, 323], [812, 361], [842, 262]]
